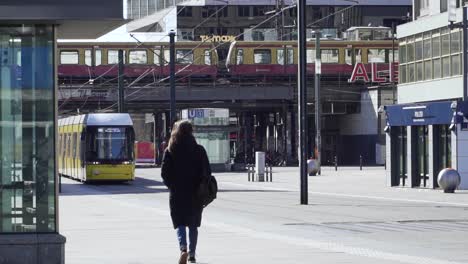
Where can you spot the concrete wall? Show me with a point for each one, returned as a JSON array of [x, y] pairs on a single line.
[[365, 122], [433, 90]]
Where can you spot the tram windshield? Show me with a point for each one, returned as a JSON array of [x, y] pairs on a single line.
[[110, 144]]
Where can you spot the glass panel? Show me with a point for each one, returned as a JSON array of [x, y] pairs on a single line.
[[427, 52], [240, 57], [456, 65], [330, 56], [455, 42], [69, 57], [418, 50], [411, 73], [437, 68], [427, 70], [402, 54], [419, 71], [445, 66], [445, 44], [138, 57], [435, 46], [280, 56], [98, 57], [394, 57], [207, 57], [262, 56], [27, 129], [184, 56], [402, 74], [88, 57], [410, 50], [216, 145]]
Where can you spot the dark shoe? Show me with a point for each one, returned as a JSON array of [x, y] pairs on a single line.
[[183, 257], [192, 259]]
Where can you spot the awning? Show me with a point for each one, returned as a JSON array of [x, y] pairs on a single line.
[[433, 113]]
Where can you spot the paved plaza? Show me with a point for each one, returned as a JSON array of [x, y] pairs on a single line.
[[352, 218]]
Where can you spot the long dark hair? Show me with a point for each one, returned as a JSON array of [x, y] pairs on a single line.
[[181, 134]]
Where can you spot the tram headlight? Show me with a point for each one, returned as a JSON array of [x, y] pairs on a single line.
[[127, 163]]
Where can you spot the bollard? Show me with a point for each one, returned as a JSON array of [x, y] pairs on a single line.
[[271, 173], [360, 162], [336, 163]]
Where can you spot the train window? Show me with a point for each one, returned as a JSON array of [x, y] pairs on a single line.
[[281, 58], [98, 57], [310, 55], [113, 57], [138, 57], [240, 57], [207, 57], [69, 57], [330, 56], [184, 56], [88, 57], [357, 56], [166, 57], [262, 56], [157, 56], [377, 55]]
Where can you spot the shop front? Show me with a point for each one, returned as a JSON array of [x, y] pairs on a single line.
[[425, 138]]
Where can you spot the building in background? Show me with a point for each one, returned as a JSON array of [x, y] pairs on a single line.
[[29, 222], [427, 130]]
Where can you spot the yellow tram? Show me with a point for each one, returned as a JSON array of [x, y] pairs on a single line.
[[97, 147]]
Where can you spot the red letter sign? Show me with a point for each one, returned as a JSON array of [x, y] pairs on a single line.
[[375, 74], [359, 71]]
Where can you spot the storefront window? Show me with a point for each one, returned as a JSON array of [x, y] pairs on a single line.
[[27, 129]]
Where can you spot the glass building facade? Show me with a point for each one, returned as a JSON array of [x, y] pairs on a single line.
[[27, 129]]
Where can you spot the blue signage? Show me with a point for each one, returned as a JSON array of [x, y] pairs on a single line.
[[435, 113], [196, 113]]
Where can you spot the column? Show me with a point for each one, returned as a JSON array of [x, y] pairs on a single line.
[[411, 155], [433, 151]]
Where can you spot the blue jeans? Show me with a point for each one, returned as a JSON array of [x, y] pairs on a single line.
[[193, 237]]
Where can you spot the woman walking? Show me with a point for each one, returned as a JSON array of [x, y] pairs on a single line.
[[184, 164]]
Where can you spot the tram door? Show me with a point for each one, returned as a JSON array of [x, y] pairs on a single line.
[[422, 156], [399, 137]]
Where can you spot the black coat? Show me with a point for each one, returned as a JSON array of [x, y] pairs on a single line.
[[182, 171]]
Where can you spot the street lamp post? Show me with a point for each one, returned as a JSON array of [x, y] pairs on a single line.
[[318, 106], [302, 98], [172, 58]]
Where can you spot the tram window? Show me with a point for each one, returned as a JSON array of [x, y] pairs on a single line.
[[109, 143], [377, 55], [281, 58], [184, 56], [207, 54], [113, 56], [98, 57], [240, 57], [330, 56], [72, 145], [289, 56], [262, 56], [88, 57], [69, 57]]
